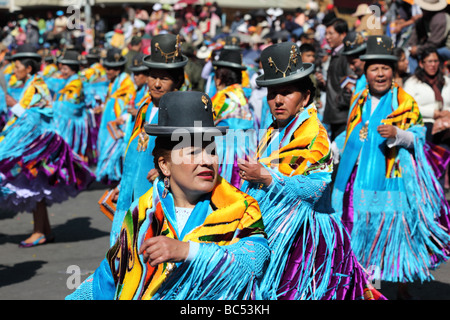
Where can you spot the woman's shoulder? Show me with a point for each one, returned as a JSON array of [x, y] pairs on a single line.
[[413, 80], [225, 194]]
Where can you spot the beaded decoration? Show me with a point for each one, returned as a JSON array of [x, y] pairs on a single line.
[[170, 55], [293, 58]]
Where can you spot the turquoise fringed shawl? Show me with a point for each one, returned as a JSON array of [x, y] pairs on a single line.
[[395, 220]]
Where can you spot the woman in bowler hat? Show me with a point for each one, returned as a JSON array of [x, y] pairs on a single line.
[[164, 69], [69, 108], [192, 235], [311, 254], [387, 194], [231, 109], [110, 141], [37, 167]]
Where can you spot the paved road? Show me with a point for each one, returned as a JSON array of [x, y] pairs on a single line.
[[82, 238]]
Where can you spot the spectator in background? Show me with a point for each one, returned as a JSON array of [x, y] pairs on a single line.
[[237, 21], [308, 53], [432, 30], [337, 100], [131, 13], [401, 73], [431, 90], [142, 14], [300, 17], [135, 47]]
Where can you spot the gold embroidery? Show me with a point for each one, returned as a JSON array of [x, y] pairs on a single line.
[[205, 102], [293, 58], [364, 131], [170, 55], [142, 141]]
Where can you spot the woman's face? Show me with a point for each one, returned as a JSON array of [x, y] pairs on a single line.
[[66, 72], [430, 64], [192, 170], [20, 71], [379, 77], [402, 64], [159, 83], [140, 79], [285, 101], [111, 74]]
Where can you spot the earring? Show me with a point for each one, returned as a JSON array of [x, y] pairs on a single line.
[[166, 187]]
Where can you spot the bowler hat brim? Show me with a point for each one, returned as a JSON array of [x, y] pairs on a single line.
[[161, 65], [305, 71], [368, 57], [26, 55], [69, 62], [138, 69], [115, 64], [228, 64], [167, 131], [358, 50]]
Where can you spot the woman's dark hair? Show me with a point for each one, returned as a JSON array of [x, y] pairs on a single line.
[[229, 76], [392, 64], [163, 148], [33, 63], [73, 67], [178, 77], [398, 52], [420, 72], [305, 84]]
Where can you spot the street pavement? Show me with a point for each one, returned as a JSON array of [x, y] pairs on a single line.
[[49, 272]]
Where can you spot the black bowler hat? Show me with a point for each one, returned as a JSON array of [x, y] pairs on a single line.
[[114, 59], [355, 43], [26, 51], [165, 53], [185, 112], [379, 48], [70, 57], [137, 64], [282, 64], [229, 58], [94, 53], [232, 43]]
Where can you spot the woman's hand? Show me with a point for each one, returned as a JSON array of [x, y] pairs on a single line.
[[10, 101], [132, 111], [152, 175], [161, 249], [255, 172], [387, 131], [115, 194]]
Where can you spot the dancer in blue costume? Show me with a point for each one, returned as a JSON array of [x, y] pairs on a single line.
[[111, 144], [69, 109], [165, 74], [354, 46], [231, 109], [311, 255], [37, 167], [230, 43], [192, 236], [140, 77], [95, 87], [387, 193]]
